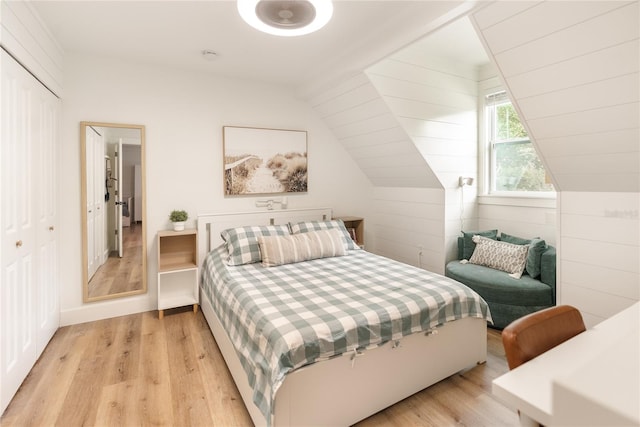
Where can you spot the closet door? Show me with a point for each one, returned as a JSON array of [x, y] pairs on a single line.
[[46, 187], [95, 176], [29, 312]]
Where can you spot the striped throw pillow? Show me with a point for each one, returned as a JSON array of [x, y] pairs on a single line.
[[338, 224], [279, 250]]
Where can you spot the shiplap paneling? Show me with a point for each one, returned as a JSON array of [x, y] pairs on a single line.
[[27, 39], [359, 118], [611, 62], [601, 32], [574, 80], [403, 219], [499, 11], [625, 141], [543, 19], [600, 94], [600, 241], [435, 101], [521, 221]]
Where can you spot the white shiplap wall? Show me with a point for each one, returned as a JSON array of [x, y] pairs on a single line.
[[435, 101], [27, 39], [571, 69], [407, 224], [406, 213], [368, 130], [600, 235]]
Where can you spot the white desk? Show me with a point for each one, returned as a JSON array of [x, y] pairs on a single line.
[[593, 378]]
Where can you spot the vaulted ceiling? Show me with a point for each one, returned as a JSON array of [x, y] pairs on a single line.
[[571, 69], [174, 34]]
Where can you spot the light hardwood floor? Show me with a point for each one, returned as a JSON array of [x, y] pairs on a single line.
[[139, 370], [124, 274]]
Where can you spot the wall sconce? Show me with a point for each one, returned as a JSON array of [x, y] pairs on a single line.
[[270, 202], [462, 181]]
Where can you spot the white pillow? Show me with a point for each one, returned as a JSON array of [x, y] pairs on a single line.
[[500, 255], [278, 250]]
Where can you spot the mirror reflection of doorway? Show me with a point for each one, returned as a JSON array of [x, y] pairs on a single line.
[[116, 237]]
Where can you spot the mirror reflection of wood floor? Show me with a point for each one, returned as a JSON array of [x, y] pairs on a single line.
[[139, 370], [124, 274]]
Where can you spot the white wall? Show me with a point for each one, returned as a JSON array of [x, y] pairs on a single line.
[[408, 225], [600, 242], [183, 113], [435, 101], [572, 70]]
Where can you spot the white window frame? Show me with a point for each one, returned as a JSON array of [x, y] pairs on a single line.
[[488, 195]]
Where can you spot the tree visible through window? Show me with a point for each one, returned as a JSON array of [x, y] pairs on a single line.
[[515, 165]]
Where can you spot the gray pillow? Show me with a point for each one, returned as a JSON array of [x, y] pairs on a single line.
[[536, 247], [534, 258], [468, 244]]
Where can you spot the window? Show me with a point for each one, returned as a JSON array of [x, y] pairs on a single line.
[[514, 165]]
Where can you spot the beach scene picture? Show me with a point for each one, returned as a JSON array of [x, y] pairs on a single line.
[[264, 161]]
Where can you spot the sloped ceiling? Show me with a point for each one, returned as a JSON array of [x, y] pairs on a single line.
[[571, 69], [173, 34], [364, 124]]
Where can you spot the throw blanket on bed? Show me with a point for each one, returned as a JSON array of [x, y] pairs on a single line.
[[282, 318]]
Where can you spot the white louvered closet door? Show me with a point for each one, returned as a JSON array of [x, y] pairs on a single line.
[[29, 302]]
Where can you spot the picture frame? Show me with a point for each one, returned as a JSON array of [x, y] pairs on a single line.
[[264, 161]]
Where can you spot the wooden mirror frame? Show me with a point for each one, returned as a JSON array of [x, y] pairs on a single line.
[[83, 170]]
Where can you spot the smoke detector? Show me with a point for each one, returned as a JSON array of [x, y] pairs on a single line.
[[286, 17]]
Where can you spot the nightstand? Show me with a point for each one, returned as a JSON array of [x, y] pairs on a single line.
[[355, 227], [177, 270]]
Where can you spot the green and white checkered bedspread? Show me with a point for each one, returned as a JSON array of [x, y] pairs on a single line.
[[282, 318]]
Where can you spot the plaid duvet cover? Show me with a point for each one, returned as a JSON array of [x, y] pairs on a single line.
[[282, 318]]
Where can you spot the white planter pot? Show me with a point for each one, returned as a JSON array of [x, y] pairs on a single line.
[[178, 225]]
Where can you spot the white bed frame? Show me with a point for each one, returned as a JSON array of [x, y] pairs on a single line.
[[346, 389]]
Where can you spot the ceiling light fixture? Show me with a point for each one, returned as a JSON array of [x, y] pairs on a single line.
[[286, 17]]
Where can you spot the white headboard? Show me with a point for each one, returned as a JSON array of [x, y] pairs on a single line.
[[210, 225]]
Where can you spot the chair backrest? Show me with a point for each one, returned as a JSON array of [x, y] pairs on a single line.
[[535, 333]]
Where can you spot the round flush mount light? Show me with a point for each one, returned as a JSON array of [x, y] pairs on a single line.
[[286, 17]]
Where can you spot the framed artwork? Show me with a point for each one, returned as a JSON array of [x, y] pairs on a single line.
[[264, 161]]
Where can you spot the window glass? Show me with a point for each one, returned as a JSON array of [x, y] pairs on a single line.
[[514, 163]]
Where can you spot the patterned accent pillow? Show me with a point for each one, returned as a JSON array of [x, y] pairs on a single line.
[[468, 245], [500, 255], [242, 242], [303, 227], [278, 250]]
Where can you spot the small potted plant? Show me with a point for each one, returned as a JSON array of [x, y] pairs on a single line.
[[178, 218]]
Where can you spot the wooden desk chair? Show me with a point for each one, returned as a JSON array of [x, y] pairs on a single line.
[[531, 335], [535, 333]]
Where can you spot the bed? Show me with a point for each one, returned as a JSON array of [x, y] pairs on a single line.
[[340, 379]]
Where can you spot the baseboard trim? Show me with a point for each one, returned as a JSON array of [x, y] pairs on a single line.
[[105, 310]]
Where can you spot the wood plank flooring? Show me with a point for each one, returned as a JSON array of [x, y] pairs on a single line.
[[118, 275], [140, 370]]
